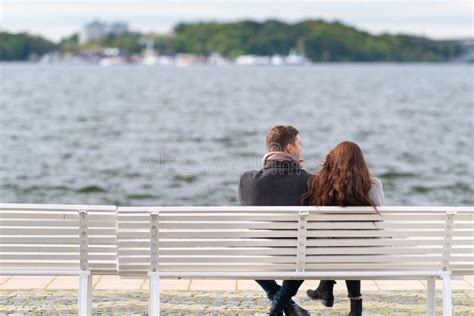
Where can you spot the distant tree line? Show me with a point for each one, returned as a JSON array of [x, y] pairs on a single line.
[[23, 46], [320, 41]]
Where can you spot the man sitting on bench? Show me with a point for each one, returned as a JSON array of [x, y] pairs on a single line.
[[281, 182]]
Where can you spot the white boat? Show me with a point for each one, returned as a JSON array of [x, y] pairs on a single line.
[[252, 60], [294, 59], [112, 61], [150, 57]]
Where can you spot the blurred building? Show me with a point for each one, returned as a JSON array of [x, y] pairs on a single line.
[[118, 28], [94, 30], [97, 30]]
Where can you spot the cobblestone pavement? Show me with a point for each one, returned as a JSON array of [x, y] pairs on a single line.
[[126, 302]]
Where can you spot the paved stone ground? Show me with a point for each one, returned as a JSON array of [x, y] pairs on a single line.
[[243, 302]]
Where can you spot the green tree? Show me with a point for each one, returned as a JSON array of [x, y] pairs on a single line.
[[23, 46]]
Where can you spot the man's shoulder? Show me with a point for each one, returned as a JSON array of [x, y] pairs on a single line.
[[264, 173], [305, 173], [250, 173], [249, 176], [269, 187]]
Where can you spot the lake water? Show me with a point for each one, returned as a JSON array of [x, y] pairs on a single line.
[[182, 136]]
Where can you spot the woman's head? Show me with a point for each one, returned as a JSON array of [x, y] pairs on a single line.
[[343, 179]]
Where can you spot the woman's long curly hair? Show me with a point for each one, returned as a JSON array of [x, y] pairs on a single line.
[[343, 179]]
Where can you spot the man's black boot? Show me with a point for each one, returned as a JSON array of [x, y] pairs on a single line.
[[296, 310], [324, 292], [356, 308], [272, 312]]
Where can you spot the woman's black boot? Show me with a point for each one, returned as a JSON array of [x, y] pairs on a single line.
[[324, 292], [356, 308]]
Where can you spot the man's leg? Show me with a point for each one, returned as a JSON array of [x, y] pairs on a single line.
[[282, 298], [270, 287]]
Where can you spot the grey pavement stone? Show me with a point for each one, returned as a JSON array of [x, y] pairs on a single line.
[[126, 302]]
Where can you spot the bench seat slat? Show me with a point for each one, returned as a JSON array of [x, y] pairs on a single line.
[[212, 259], [463, 241], [388, 209], [220, 234], [210, 251], [144, 226], [56, 207], [58, 248], [379, 266], [210, 242], [212, 267], [364, 242], [56, 240], [55, 216], [465, 268], [461, 259], [54, 256], [64, 231], [243, 267], [199, 234], [421, 225], [427, 217], [403, 232], [251, 216], [227, 225], [280, 251], [288, 242], [52, 223], [286, 259], [44, 264], [462, 250]]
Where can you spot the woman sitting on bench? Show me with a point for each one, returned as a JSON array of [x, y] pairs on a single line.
[[343, 180]]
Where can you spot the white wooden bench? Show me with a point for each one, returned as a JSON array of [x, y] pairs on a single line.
[[296, 243], [237, 243], [59, 240]]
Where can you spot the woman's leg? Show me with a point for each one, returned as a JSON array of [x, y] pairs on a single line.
[[323, 292], [353, 289]]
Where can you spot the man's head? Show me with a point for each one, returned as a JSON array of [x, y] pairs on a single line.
[[284, 138]]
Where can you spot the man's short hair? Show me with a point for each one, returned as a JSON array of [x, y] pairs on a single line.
[[279, 136]]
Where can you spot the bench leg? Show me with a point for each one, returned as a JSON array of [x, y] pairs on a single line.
[[154, 280], [85, 294], [447, 304], [430, 306]]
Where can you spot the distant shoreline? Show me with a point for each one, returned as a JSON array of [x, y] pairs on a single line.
[[314, 64], [314, 40]]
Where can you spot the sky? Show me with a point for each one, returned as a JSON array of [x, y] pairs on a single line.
[[54, 19]]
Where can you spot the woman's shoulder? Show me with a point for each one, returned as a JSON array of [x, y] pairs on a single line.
[[376, 192], [376, 182]]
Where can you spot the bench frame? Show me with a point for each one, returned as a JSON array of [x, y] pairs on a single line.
[[430, 276]]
